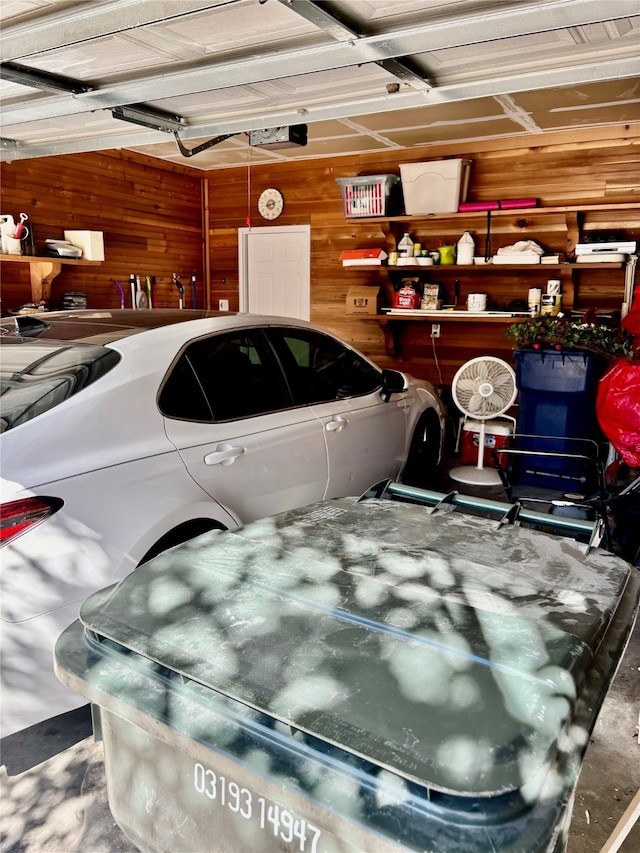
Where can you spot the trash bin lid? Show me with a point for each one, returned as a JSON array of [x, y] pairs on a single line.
[[441, 647]]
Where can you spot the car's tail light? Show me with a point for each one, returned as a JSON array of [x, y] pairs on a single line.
[[18, 516]]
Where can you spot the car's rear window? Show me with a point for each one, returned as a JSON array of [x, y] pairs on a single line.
[[35, 376]]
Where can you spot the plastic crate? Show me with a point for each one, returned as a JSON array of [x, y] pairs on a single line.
[[367, 195]]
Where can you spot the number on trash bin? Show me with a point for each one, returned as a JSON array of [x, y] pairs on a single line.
[[273, 816], [205, 781], [229, 795]]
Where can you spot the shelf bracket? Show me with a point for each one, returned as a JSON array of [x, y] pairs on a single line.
[[392, 336], [42, 274], [574, 221]]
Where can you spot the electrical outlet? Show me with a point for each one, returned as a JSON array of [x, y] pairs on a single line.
[[223, 304], [435, 330]]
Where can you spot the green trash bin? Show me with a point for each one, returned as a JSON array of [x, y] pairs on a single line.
[[357, 675]]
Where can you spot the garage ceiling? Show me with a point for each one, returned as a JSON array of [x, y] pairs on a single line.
[[363, 75]]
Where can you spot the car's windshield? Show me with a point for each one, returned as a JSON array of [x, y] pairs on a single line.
[[35, 376]]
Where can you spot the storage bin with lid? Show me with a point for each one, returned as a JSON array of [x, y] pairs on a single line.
[[351, 676]]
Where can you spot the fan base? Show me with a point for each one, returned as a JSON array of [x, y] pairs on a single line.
[[476, 476]]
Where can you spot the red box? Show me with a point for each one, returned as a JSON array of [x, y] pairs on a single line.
[[496, 435]]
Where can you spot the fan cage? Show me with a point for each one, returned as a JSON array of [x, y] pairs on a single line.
[[484, 387]]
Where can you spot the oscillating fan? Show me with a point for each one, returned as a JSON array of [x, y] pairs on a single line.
[[483, 388]]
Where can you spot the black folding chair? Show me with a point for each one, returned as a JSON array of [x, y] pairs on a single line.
[[557, 470]]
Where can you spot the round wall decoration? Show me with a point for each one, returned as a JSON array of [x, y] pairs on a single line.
[[270, 203]]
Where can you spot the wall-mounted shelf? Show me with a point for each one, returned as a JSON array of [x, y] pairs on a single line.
[[564, 227], [574, 218], [43, 271], [514, 211], [495, 268], [392, 325]]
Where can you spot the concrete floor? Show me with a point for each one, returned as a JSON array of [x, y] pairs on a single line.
[[53, 796]]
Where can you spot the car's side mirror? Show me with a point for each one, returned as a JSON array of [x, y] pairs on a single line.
[[393, 382]]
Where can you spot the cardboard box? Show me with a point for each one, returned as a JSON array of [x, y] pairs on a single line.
[[91, 243], [437, 186], [364, 300]]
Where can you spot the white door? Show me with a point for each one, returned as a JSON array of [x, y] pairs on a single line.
[[275, 270]]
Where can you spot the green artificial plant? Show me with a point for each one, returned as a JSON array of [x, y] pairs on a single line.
[[563, 333]]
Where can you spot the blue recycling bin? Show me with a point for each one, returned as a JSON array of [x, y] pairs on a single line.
[[557, 410]]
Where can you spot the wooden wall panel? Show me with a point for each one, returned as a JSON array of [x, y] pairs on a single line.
[[151, 218], [558, 169]]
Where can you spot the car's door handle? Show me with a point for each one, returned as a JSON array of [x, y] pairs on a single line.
[[224, 454], [337, 423]]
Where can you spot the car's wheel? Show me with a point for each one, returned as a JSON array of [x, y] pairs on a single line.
[[180, 534], [422, 462]]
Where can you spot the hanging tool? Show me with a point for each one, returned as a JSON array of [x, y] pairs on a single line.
[[141, 296], [194, 291], [132, 287], [119, 286], [176, 280], [154, 291], [487, 249], [149, 301]]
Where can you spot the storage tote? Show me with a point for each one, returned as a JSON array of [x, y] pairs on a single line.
[[437, 186], [367, 195]]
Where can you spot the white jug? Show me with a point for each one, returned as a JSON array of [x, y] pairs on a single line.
[[7, 230], [466, 249], [405, 246]]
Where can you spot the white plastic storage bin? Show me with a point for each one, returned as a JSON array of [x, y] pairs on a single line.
[[437, 186]]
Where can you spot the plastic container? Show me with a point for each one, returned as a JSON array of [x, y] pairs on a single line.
[[7, 230], [557, 399], [352, 676], [466, 249], [405, 246], [496, 436], [436, 186], [447, 255], [367, 195]]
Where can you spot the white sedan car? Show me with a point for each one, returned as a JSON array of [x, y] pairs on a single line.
[[127, 432]]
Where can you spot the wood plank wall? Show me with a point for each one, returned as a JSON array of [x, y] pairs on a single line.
[[151, 217], [558, 169], [154, 217]]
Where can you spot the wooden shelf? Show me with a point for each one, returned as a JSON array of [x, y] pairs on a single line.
[[392, 325], [496, 268], [515, 211], [43, 270]]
